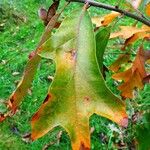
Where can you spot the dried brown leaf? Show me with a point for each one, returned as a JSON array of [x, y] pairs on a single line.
[[133, 77]]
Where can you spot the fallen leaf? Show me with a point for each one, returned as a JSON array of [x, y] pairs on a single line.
[[78, 89]]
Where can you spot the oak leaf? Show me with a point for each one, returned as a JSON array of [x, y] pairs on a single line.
[[145, 34], [78, 89], [133, 77], [127, 32], [135, 37]]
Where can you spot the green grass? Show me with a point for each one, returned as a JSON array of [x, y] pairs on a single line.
[[20, 31]]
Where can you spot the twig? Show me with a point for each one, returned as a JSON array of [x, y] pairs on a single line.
[[113, 8]]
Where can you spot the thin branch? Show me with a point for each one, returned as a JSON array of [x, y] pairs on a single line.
[[114, 8]]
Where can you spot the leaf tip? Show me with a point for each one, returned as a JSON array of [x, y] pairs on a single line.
[[32, 137]]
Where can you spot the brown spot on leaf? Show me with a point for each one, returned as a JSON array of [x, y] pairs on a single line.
[[57, 24], [87, 99], [71, 55]]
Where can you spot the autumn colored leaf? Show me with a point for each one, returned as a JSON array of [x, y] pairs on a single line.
[[105, 20], [134, 37], [42, 12], [127, 32], [147, 9], [145, 34], [123, 58], [45, 15], [78, 89], [133, 77], [34, 59]]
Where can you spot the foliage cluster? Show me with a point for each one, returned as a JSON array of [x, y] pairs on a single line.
[[104, 133]]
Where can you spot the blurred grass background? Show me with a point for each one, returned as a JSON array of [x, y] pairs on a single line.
[[20, 31]]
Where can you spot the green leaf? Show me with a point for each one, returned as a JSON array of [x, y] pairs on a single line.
[[102, 37], [78, 89]]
